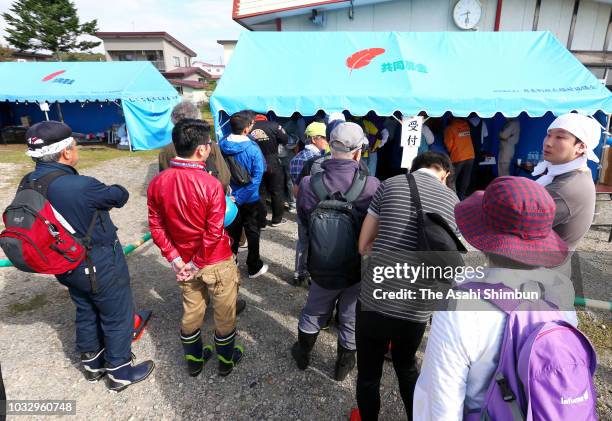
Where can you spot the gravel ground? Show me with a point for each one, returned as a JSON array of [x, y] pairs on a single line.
[[37, 336]]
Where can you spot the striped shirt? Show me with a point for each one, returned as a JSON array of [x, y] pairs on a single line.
[[397, 238]]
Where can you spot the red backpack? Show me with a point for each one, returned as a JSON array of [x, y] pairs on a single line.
[[37, 238]]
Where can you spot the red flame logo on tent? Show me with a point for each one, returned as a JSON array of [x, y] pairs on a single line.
[[363, 58], [52, 75]]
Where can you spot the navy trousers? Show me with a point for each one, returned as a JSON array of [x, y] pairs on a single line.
[[105, 318]]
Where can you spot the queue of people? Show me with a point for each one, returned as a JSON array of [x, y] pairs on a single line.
[[344, 214]]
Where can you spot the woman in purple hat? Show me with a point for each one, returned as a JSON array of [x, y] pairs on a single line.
[[511, 222]]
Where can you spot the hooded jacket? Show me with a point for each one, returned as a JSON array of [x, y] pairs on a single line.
[[246, 153]]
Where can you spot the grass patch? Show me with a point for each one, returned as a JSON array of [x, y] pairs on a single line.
[[33, 303], [89, 156]]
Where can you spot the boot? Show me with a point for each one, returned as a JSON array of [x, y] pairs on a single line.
[[195, 355], [229, 354], [301, 349], [344, 363], [127, 374], [93, 363]]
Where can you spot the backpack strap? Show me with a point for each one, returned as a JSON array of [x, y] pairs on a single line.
[[507, 306], [357, 186], [41, 184], [415, 198], [318, 186]]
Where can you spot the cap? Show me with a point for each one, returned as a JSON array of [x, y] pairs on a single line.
[[48, 137], [347, 137], [315, 129]]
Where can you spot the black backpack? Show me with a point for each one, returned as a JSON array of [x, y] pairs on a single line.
[[333, 229], [239, 175]]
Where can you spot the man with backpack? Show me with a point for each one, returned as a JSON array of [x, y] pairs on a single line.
[[390, 236], [100, 285], [269, 136], [186, 214], [247, 166], [509, 358], [332, 205]]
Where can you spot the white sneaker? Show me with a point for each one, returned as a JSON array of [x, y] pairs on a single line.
[[261, 271]]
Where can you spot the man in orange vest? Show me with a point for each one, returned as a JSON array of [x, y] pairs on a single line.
[[458, 142]]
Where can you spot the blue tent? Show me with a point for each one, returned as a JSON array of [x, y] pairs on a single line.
[[437, 72], [88, 92]]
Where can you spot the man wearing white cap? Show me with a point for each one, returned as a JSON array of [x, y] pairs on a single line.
[[568, 147]]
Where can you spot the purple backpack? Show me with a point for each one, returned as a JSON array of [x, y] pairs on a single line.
[[545, 369]]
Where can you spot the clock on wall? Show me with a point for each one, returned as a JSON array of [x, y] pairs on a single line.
[[467, 13]]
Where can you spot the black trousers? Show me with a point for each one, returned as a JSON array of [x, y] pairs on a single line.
[[247, 218], [373, 333], [463, 175], [273, 183]]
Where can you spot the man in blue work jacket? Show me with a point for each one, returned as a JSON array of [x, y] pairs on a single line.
[[244, 152], [104, 306]]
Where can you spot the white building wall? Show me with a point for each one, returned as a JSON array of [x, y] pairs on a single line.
[[195, 96], [556, 17], [591, 26], [171, 51], [400, 15], [517, 15]]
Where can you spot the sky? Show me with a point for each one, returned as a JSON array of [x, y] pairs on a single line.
[[196, 23]]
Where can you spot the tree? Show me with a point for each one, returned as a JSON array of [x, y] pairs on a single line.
[[52, 25]]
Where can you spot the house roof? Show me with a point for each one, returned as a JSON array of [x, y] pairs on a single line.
[[182, 72], [194, 84], [164, 35], [27, 54], [250, 12], [208, 64]]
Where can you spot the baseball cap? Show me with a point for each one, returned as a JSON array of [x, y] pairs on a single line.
[[315, 129], [585, 128], [347, 137], [48, 137]]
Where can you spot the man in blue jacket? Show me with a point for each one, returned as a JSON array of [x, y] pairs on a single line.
[[247, 154], [104, 306]]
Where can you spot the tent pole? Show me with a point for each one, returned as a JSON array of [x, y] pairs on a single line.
[[59, 112]]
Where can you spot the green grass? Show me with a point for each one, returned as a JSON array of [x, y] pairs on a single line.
[[89, 156]]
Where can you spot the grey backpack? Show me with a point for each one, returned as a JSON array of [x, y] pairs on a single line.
[[333, 229]]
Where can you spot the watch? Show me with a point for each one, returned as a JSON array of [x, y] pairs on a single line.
[[467, 13]]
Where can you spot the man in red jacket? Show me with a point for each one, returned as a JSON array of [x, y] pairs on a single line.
[[186, 213]]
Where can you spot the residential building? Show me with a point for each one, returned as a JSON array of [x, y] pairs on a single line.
[[228, 48], [584, 26], [191, 82], [213, 69], [160, 48]]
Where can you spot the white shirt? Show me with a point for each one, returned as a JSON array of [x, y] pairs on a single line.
[[463, 348]]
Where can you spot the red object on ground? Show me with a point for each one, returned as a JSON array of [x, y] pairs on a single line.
[[355, 416], [140, 321]]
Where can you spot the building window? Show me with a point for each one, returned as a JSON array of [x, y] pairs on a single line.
[[177, 61], [186, 61]]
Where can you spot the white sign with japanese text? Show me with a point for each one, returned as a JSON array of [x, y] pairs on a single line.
[[410, 139]]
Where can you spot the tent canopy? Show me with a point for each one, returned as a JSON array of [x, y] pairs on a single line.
[[436, 72], [146, 96]]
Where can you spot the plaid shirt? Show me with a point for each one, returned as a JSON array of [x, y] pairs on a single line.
[[297, 163]]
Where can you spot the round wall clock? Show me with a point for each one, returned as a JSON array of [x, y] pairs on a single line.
[[467, 13]]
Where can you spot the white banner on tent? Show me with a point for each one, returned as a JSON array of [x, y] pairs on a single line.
[[410, 139]]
